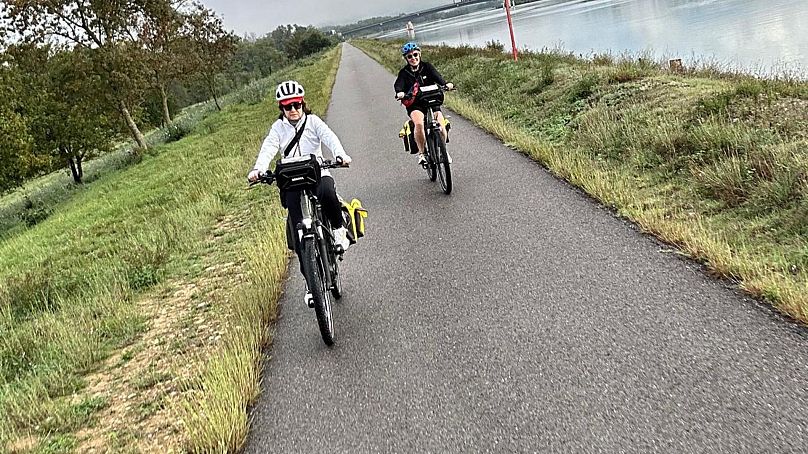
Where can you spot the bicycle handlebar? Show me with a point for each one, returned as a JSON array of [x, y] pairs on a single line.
[[409, 95], [268, 177]]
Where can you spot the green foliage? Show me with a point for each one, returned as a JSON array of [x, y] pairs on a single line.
[[58, 444], [494, 45], [15, 139], [177, 131], [583, 87], [67, 121], [297, 42], [306, 41], [15, 146]]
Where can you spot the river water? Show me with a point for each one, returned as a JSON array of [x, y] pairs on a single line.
[[758, 36]]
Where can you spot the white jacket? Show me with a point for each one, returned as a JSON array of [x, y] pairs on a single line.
[[315, 134]]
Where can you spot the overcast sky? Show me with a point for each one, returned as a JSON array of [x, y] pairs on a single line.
[[263, 16]]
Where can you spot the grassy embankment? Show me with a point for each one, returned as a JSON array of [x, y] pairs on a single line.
[[714, 163], [35, 200], [133, 316]]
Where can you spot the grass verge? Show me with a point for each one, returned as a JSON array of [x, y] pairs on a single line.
[[714, 163], [134, 315]]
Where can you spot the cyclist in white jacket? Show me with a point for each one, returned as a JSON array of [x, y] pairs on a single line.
[[293, 115]]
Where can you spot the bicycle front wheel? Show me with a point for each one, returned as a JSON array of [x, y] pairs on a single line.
[[444, 169], [314, 272], [431, 153], [336, 280]]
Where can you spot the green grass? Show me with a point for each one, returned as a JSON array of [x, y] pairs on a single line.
[[712, 162], [72, 282]]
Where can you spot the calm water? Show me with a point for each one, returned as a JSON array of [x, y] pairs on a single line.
[[761, 36]]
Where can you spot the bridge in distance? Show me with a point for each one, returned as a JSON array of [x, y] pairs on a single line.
[[407, 17]]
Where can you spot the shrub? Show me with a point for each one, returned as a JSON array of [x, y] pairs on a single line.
[[602, 60], [494, 46], [584, 87], [177, 131], [728, 180]]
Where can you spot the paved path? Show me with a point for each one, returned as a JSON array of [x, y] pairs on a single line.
[[515, 315]]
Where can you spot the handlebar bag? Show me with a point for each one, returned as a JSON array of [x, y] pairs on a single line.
[[297, 173], [431, 96]]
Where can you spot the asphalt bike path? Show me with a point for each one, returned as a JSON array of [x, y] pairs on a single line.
[[514, 315]]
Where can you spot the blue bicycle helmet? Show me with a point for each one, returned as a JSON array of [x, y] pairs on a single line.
[[409, 47]]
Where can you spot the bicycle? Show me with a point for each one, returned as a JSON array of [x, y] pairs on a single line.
[[319, 255], [438, 162]]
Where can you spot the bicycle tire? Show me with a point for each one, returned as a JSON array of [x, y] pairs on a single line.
[[313, 271], [336, 279], [444, 169], [431, 167]]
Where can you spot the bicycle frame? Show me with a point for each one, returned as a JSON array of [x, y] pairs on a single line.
[[431, 126], [315, 225]]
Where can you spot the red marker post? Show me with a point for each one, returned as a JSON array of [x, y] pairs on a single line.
[[510, 26]]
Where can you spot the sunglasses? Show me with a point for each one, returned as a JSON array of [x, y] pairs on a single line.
[[413, 55], [292, 105]]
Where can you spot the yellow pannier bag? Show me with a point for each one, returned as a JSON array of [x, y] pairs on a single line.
[[407, 134], [354, 216]]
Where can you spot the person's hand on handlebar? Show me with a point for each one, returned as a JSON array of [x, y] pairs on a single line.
[[449, 86], [344, 160], [400, 95], [253, 176]]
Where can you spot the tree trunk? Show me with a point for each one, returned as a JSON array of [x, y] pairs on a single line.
[[166, 112], [80, 167], [130, 122], [216, 100], [74, 162], [212, 88]]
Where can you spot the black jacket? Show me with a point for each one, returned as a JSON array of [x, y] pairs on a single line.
[[425, 75]]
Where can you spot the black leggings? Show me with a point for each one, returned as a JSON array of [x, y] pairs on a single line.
[[327, 194]]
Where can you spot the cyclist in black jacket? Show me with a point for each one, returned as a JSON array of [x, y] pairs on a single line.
[[424, 74]]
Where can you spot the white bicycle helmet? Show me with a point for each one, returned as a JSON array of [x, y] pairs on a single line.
[[289, 90]]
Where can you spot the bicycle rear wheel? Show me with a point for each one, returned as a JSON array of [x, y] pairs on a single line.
[[444, 169], [313, 271]]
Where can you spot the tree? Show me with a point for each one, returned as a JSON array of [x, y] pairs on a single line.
[[282, 35], [107, 27], [163, 42], [15, 141], [257, 57], [306, 41], [67, 123], [209, 46]]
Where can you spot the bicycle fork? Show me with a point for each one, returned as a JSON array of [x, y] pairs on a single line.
[[311, 227]]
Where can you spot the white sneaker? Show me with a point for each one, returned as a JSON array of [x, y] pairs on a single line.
[[308, 298], [341, 238], [421, 159]]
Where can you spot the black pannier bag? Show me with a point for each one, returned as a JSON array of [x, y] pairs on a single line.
[[298, 173]]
